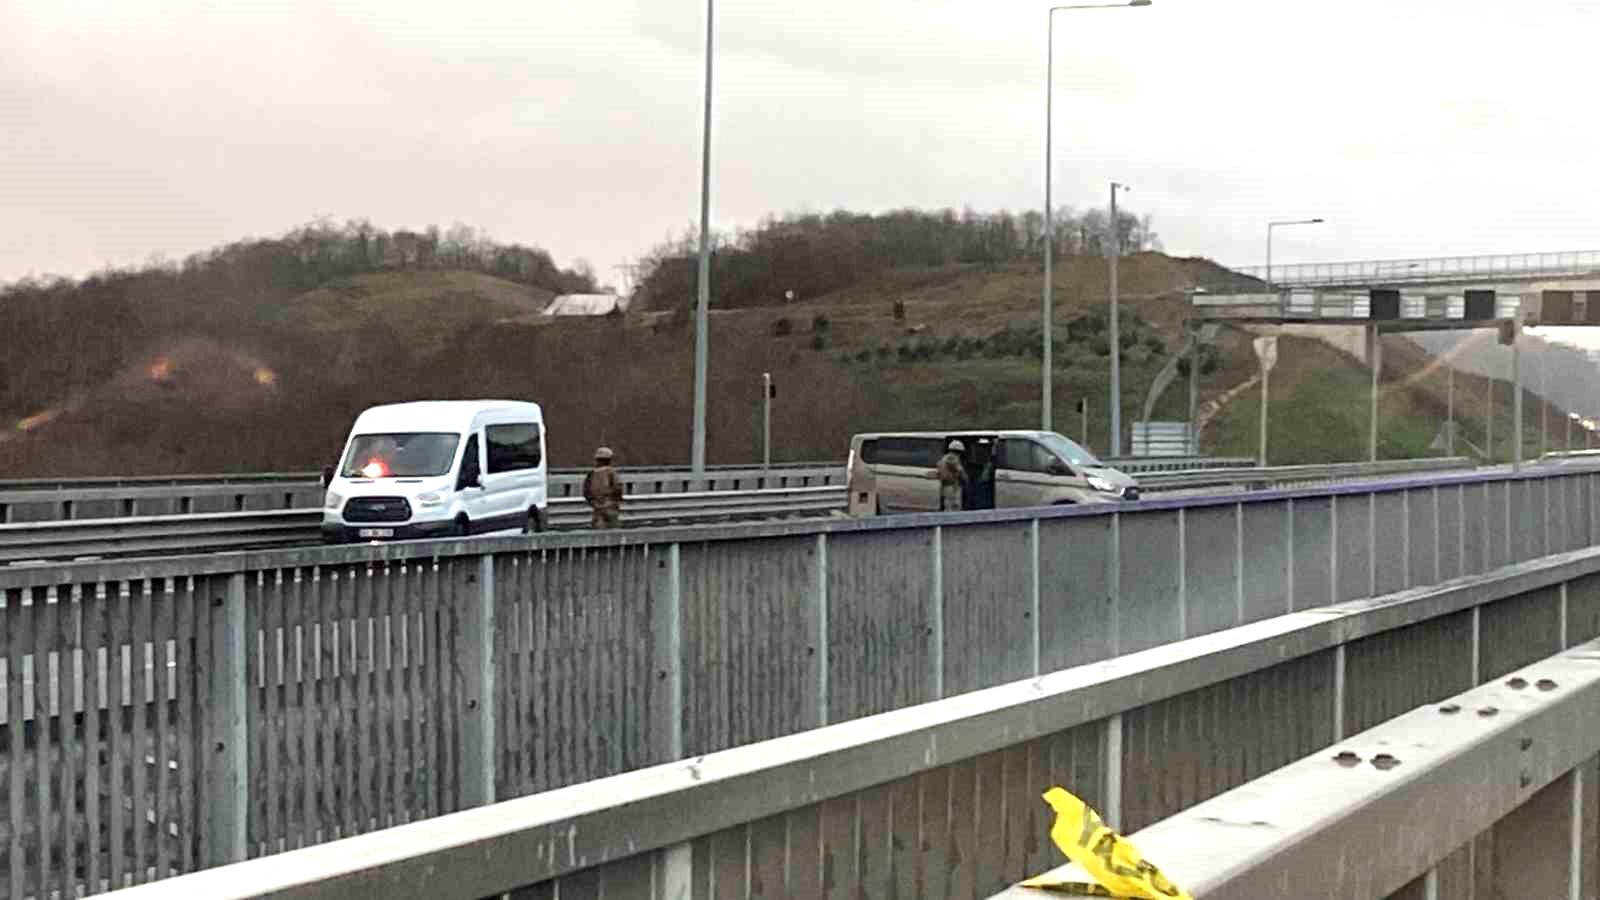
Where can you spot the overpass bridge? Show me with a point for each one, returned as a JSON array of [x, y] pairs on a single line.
[[812, 709], [1444, 271]]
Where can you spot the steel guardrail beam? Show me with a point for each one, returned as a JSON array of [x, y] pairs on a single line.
[[281, 528], [1376, 812]]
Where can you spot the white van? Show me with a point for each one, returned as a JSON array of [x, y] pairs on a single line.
[[439, 469], [896, 473]]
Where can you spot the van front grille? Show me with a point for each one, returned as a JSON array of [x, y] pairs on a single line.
[[377, 509]]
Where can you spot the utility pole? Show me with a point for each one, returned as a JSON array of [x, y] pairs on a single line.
[[702, 317], [767, 394], [1116, 332]]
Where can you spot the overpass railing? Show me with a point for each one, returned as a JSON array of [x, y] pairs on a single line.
[[943, 799], [1494, 792], [1425, 269]]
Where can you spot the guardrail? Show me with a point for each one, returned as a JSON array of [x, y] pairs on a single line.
[[296, 527], [1294, 476], [98, 498], [653, 501], [1490, 793], [32, 501], [942, 799]]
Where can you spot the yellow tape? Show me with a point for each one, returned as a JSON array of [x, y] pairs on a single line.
[[1108, 857]]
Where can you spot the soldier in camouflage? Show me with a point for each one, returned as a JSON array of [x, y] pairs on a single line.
[[602, 488], [952, 478]]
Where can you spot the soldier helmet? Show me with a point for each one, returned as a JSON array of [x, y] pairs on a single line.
[[603, 453], [958, 447]]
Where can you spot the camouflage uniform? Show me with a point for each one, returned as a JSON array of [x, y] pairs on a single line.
[[952, 478], [603, 489]]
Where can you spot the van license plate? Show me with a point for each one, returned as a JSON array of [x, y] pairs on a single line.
[[376, 532]]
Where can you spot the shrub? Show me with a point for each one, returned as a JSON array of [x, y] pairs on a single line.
[[782, 328], [819, 324]]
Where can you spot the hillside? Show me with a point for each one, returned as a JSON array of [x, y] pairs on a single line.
[[272, 382]]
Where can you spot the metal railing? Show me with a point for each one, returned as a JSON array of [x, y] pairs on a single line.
[[131, 536], [215, 532], [30, 501], [1449, 800], [943, 799], [1363, 273]]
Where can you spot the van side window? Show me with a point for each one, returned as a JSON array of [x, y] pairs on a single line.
[[513, 447], [470, 467], [920, 453], [1025, 456]]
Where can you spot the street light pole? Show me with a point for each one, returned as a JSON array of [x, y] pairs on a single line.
[[1116, 331], [1272, 225], [703, 301], [1047, 311]]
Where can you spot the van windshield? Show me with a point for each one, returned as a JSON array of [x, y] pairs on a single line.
[[1068, 450], [400, 455]]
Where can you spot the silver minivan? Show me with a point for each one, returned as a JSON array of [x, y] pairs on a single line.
[[897, 472]]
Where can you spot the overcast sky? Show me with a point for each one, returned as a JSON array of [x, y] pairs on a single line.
[[1416, 127]]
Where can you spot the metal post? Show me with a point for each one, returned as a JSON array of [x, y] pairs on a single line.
[[1375, 358], [1047, 320], [1516, 399], [1269, 256], [475, 640], [1450, 409], [226, 769], [1266, 377], [1488, 429], [703, 302], [1544, 407], [1194, 396], [766, 420], [1083, 407], [1116, 332]]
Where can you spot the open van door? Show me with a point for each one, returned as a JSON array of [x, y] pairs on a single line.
[[862, 483]]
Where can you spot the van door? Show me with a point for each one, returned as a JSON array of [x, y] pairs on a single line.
[[474, 499], [514, 454], [1022, 475], [904, 469], [862, 484]]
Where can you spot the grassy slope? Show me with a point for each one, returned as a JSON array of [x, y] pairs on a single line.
[[406, 335]]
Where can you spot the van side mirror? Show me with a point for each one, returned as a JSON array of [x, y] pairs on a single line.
[[1057, 467], [471, 479], [327, 476]]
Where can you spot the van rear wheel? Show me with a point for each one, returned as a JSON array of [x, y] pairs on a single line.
[[535, 523]]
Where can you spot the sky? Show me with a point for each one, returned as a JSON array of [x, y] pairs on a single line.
[[139, 129]]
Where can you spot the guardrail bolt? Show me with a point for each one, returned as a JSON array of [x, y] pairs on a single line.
[[472, 704], [216, 601], [1487, 711], [1527, 743], [1449, 709], [1347, 759], [1545, 684], [1384, 762], [1517, 684], [221, 746]]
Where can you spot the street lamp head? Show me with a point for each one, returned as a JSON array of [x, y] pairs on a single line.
[[1139, 2], [1316, 221]]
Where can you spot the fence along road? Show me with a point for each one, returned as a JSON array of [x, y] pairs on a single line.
[[941, 800], [320, 693]]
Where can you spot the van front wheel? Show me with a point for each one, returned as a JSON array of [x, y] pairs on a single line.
[[462, 529]]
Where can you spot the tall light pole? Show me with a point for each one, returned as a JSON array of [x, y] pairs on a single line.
[[702, 317], [1047, 374], [1116, 330], [1272, 225]]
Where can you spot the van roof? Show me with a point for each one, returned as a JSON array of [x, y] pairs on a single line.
[[424, 415], [997, 432]]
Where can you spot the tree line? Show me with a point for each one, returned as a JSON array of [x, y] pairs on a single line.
[[63, 334], [803, 255]]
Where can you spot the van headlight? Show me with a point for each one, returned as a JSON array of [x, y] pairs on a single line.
[[432, 498], [332, 501], [1102, 485]]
